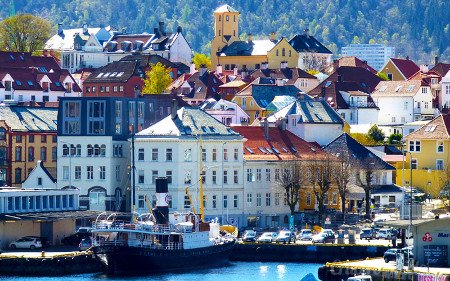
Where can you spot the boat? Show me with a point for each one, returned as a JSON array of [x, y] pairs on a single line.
[[159, 241]]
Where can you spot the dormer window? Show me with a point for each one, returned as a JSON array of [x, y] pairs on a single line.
[[8, 86], [68, 87]]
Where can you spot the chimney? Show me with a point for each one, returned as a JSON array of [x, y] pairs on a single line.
[[423, 68], [45, 53], [364, 62], [156, 31], [244, 73], [161, 211], [202, 69], [60, 29], [407, 57], [173, 114], [249, 38], [339, 78], [264, 65], [124, 30], [219, 69], [307, 32], [192, 68], [266, 129], [282, 125], [179, 29], [161, 28], [273, 36], [279, 82], [323, 93], [85, 29], [235, 71], [283, 65], [436, 59]]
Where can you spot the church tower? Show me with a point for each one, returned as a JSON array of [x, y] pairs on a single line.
[[226, 21]]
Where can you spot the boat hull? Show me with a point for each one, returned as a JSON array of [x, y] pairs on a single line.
[[123, 259]]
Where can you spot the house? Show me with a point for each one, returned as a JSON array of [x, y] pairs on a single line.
[[282, 54], [398, 69], [375, 55], [311, 53], [309, 119], [25, 78], [403, 102], [41, 177], [116, 79], [267, 152], [384, 191], [27, 134], [427, 157], [225, 111], [347, 61], [191, 148], [230, 89], [290, 76], [93, 147], [255, 98], [445, 93]]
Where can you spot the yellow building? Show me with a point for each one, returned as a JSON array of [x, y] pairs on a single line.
[[399, 69], [282, 52], [429, 148], [27, 134]]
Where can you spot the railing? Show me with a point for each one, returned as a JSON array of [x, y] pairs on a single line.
[[143, 244], [136, 226]]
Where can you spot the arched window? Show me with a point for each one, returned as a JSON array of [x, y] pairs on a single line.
[[78, 149], [18, 175], [290, 52], [277, 52], [89, 150], [283, 52], [65, 150], [220, 18], [220, 32], [227, 18], [103, 150], [30, 154], [96, 150], [72, 150], [2, 133], [44, 153], [234, 18]]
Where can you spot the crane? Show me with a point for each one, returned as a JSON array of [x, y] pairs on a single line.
[[190, 200]]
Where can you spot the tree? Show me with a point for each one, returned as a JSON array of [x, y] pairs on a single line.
[[157, 79], [24, 33], [383, 76], [201, 59], [376, 134], [341, 177], [395, 138], [364, 178], [320, 174], [291, 179]]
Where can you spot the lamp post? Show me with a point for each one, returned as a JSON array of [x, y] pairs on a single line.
[[223, 159]]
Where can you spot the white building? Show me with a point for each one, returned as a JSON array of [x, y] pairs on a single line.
[[376, 55], [445, 91], [360, 109], [41, 177], [224, 111], [172, 148]]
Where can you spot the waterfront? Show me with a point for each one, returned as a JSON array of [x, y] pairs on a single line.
[[243, 271]]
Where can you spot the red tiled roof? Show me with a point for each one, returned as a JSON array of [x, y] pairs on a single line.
[[438, 128], [21, 60], [281, 140], [348, 61], [407, 67], [441, 68]]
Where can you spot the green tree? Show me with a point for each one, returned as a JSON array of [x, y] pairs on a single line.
[[157, 79], [356, 40], [376, 134], [395, 138], [24, 33], [383, 76], [200, 59]]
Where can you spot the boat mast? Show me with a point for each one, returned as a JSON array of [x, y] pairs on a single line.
[[133, 167], [202, 207]]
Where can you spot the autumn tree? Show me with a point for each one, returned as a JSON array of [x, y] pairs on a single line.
[[201, 59], [24, 33], [157, 79], [383, 76], [291, 180], [341, 176], [364, 178]]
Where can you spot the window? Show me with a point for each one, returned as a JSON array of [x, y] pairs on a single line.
[[258, 174], [214, 154], [141, 154], [18, 137], [235, 201], [141, 178], [236, 176], [277, 199], [44, 153], [154, 176], [414, 164], [258, 200], [96, 117], [405, 105], [187, 177], [120, 88], [102, 173], [249, 199], [18, 174], [203, 154], [18, 154], [227, 18], [43, 138], [276, 52], [214, 177], [169, 154], [439, 164], [440, 147], [424, 90], [225, 177], [277, 174], [78, 172], [249, 175], [90, 150], [225, 201], [267, 174], [141, 202], [236, 154], [334, 198], [214, 201], [65, 172], [426, 105], [283, 52], [308, 198], [71, 117], [169, 177], [30, 154], [90, 172], [393, 119], [187, 202], [118, 115], [154, 154], [414, 146], [31, 138], [268, 195], [117, 172], [225, 154]]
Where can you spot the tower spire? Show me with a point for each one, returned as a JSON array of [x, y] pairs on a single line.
[[12, 8]]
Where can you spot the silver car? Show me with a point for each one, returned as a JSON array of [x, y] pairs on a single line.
[[267, 237]]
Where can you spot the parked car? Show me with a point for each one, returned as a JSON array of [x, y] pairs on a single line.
[[305, 234], [391, 254], [85, 244], [384, 233], [26, 243], [75, 239], [267, 237], [360, 278], [44, 241], [249, 236], [367, 233], [329, 231], [285, 236], [324, 237]]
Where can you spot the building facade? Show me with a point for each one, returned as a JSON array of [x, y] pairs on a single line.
[[376, 55]]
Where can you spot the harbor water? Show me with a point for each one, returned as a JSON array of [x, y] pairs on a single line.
[[242, 271]]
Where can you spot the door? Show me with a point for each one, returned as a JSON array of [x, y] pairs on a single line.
[[47, 230]]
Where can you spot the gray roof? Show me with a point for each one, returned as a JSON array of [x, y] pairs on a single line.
[[30, 118], [307, 43], [245, 48], [189, 122], [309, 111]]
